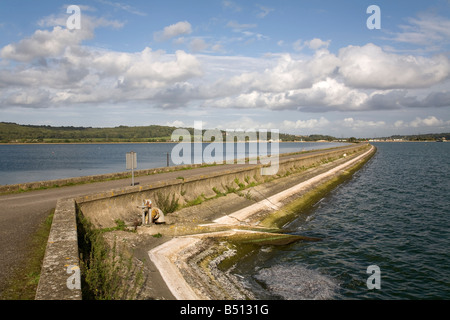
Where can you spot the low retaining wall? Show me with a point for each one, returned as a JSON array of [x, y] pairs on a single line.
[[88, 179], [60, 274]]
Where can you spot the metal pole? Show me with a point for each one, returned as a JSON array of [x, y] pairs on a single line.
[[167, 159], [132, 166]]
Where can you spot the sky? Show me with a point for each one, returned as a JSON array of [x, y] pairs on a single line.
[[330, 67]]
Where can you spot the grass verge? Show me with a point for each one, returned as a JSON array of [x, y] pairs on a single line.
[[24, 283]]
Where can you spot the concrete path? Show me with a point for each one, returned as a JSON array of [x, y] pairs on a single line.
[[21, 214]]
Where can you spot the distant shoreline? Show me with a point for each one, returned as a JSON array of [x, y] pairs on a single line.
[[175, 142]]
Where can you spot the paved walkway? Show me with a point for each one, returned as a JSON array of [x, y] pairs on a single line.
[[21, 214]]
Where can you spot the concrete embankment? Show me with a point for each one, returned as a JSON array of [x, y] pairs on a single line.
[[191, 264], [212, 211]]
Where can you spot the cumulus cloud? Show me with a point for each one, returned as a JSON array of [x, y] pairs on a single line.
[[52, 43], [44, 43], [150, 70], [174, 30], [313, 44], [306, 124], [418, 122], [54, 67], [246, 123], [288, 74], [317, 43], [352, 123], [370, 67], [430, 121]]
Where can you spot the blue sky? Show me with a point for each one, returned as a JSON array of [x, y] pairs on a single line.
[[302, 67]]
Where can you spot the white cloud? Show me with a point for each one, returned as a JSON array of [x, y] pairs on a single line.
[[317, 43], [425, 30], [399, 123], [44, 43], [51, 43], [176, 123], [352, 123], [418, 122], [370, 67], [151, 70], [306, 124], [124, 7], [198, 44], [218, 48], [246, 123], [231, 5], [288, 74], [54, 67], [298, 45], [264, 11], [82, 75], [430, 121], [174, 30], [240, 26], [313, 44]]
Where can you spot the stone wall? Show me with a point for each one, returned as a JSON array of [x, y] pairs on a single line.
[[60, 274]]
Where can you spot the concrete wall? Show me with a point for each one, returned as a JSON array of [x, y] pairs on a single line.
[[61, 260], [88, 179]]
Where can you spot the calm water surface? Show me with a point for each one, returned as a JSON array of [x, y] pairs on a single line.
[[29, 163], [394, 213]]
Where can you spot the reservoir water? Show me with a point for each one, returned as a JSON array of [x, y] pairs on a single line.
[[37, 162], [394, 214]]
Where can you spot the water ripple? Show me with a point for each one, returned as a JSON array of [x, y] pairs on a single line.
[[394, 213]]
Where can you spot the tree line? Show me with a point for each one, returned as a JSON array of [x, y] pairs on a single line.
[[18, 133]]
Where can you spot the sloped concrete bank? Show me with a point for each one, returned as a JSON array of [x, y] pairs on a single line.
[[191, 264], [210, 218]]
